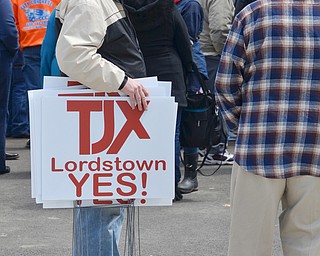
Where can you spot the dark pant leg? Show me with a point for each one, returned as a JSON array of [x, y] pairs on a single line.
[[18, 123], [5, 80], [177, 147], [212, 66], [31, 70]]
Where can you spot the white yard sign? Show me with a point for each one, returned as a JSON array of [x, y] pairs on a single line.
[[98, 150]]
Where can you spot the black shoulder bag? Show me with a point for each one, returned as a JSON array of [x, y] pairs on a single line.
[[201, 122]]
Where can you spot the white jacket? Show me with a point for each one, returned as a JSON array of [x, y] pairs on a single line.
[[96, 45]]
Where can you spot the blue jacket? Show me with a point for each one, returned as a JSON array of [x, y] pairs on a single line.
[[8, 29], [192, 13], [49, 65]]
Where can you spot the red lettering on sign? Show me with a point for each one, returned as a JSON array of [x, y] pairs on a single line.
[[107, 137], [97, 184], [53, 165], [78, 184], [132, 186], [84, 108], [132, 124]]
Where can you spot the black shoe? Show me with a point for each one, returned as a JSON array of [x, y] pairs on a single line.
[[12, 156], [22, 136], [28, 144], [178, 196], [6, 170]]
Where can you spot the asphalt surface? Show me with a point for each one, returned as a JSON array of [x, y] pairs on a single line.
[[196, 226]]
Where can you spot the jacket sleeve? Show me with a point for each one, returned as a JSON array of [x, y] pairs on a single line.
[[48, 47], [182, 41], [230, 78], [193, 18], [81, 35], [8, 29], [220, 13]]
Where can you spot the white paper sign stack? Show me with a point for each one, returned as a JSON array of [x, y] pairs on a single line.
[[91, 148]]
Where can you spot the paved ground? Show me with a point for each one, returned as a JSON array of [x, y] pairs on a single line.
[[196, 226]]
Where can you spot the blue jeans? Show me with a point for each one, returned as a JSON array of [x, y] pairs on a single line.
[[188, 150], [31, 69], [6, 60], [97, 231], [18, 123]]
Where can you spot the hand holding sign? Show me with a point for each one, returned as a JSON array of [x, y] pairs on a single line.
[[137, 93]]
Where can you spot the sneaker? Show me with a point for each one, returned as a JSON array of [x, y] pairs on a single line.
[[216, 159]]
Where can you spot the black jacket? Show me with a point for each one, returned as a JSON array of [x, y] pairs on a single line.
[[240, 4], [164, 42]]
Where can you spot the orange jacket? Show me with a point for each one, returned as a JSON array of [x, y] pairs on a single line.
[[31, 19]]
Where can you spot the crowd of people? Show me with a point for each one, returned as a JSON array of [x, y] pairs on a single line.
[[258, 57]]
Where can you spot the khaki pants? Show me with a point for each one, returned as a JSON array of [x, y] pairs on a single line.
[[254, 209]]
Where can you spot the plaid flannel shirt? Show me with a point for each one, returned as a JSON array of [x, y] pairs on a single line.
[[268, 87]]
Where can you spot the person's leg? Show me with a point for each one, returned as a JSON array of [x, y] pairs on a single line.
[[300, 219], [254, 209], [97, 231], [218, 153], [178, 195], [190, 161], [177, 148], [31, 70], [5, 80], [19, 125]]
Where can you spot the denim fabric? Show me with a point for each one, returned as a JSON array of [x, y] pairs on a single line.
[[6, 60], [192, 15], [190, 151], [18, 123], [97, 231], [31, 68], [199, 59]]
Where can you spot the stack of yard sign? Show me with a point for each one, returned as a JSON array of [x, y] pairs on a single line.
[[91, 148]]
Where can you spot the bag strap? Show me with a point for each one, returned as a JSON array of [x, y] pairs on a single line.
[[200, 78], [204, 159]]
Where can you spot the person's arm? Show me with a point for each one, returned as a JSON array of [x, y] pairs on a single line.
[[230, 78], [220, 14], [81, 35], [8, 29], [193, 17], [48, 47]]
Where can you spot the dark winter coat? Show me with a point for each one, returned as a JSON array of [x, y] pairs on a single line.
[[164, 42], [240, 4], [8, 29]]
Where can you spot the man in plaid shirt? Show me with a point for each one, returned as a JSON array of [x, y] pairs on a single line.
[[268, 88]]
